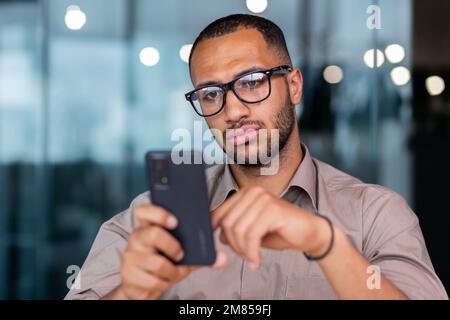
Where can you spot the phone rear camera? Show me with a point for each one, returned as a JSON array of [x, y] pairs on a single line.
[[159, 168]]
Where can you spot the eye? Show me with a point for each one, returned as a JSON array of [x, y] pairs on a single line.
[[251, 81], [210, 94]]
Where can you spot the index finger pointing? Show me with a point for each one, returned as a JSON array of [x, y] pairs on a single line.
[[219, 213]]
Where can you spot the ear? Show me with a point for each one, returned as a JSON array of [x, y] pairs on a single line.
[[295, 82]]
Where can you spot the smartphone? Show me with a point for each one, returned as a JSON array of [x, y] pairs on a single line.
[[181, 189]]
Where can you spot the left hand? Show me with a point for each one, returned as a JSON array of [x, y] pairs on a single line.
[[253, 218]]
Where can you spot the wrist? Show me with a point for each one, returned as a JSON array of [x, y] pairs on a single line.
[[322, 235]]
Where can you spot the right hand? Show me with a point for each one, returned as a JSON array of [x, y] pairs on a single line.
[[146, 273]]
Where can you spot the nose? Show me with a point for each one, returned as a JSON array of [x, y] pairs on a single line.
[[234, 108]]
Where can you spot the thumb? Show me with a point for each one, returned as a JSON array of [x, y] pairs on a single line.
[[221, 260]]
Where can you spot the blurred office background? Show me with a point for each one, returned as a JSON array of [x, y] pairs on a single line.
[[88, 86]]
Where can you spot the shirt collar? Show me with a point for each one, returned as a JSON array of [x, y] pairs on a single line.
[[304, 178], [226, 186]]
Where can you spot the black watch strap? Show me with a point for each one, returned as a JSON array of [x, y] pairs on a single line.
[[330, 246]]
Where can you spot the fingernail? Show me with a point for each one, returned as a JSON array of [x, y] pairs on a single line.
[[180, 256], [171, 222], [253, 266], [220, 259]]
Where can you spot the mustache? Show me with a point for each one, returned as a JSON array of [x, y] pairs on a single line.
[[240, 124], [245, 122]]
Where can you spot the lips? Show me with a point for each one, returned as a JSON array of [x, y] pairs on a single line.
[[243, 134]]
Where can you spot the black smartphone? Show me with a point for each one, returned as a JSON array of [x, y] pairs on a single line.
[[181, 189]]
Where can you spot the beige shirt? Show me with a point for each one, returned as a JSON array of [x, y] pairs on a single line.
[[377, 220]]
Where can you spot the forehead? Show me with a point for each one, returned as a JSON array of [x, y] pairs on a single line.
[[220, 59]]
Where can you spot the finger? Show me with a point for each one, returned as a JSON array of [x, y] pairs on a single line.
[[227, 237], [150, 214], [221, 211], [249, 198], [273, 241], [142, 280], [221, 260], [241, 206], [248, 218], [158, 265], [184, 271], [223, 238], [255, 234], [235, 236], [163, 268], [155, 237]]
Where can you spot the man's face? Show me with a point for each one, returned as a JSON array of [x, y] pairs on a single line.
[[220, 60]]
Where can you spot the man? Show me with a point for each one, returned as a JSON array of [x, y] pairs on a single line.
[[308, 231]]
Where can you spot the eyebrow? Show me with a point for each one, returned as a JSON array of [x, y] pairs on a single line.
[[240, 73]]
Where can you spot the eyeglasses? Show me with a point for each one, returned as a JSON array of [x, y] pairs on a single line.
[[252, 87]]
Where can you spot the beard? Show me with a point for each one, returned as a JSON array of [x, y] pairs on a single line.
[[283, 121]]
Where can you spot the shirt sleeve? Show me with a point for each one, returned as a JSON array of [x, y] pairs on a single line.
[[394, 242], [100, 273]]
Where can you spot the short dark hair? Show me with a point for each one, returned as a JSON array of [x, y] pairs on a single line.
[[272, 33]]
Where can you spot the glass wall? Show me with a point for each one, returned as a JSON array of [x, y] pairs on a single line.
[[88, 86]]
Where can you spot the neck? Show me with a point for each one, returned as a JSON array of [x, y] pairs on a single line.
[[289, 159]]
